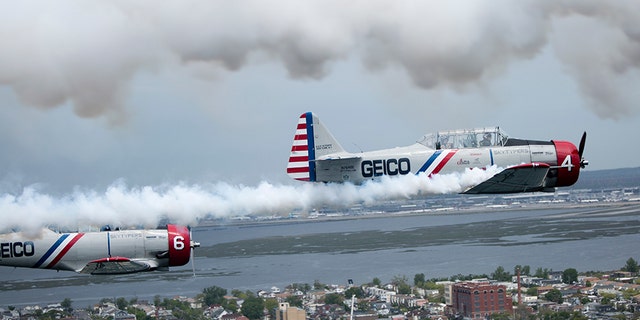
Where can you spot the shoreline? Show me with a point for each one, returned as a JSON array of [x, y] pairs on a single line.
[[208, 224]]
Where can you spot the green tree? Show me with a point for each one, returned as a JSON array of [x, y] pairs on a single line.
[[237, 293], [240, 294], [181, 309], [333, 298], [294, 301], [570, 276], [501, 275], [561, 315], [271, 304], [607, 298], [376, 282], [213, 295], [500, 316], [304, 287], [522, 312], [554, 295], [231, 304], [431, 285], [524, 270], [66, 304], [139, 313], [364, 305], [318, 285], [542, 273], [419, 280], [121, 303], [630, 293], [462, 277], [401, 283], [253, 308], [532, 291], [631, 266], [357, 291]]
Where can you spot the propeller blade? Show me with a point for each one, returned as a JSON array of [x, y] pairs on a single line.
[[582, 142], [193, 264], [192, 246]]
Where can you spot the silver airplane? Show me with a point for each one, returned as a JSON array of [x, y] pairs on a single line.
[[528, 165], [104, 252]]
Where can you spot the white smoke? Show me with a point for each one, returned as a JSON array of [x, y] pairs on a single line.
[[187, 204], [87, 52]]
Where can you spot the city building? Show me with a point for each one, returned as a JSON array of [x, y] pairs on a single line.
[[286, 312], [477, 300], [448, 295]]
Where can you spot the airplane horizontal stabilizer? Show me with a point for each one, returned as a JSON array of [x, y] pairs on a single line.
[[527, 177]]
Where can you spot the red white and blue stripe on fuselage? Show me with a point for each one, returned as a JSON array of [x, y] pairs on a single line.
[[58, 250], [437, 161]]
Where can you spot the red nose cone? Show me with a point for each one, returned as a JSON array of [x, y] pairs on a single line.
[[569, 163], [179, 245]]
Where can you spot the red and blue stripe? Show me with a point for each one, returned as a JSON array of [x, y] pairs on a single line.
[[58, 250], [437, 161], [302, 164]]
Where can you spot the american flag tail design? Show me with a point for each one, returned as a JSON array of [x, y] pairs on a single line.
[[311, 142]]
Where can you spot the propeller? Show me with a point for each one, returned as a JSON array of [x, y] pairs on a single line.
[[193, 245], [583, 162]]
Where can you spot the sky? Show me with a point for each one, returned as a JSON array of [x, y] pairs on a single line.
[[97, 96]]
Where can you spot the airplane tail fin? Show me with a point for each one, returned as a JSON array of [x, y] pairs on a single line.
[[311, 141]]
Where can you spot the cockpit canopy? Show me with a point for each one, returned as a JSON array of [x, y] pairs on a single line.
[[465, 138]]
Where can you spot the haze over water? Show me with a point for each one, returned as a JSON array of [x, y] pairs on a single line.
[[259, 256]]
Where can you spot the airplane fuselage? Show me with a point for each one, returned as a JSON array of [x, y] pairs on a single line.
[[417, 159], [133, 250], [527, 165]]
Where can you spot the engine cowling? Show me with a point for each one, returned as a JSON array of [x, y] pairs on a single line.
[[568, 163], [179, 245]]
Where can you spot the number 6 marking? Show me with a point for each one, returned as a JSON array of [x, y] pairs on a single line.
[[178, 242]]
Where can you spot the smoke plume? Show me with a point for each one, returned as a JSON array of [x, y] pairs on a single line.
[[187, 204], [87, 52]]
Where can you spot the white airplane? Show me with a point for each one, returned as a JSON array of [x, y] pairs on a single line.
[[104, 252], [529, 165]]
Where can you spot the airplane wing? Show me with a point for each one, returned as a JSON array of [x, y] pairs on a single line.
[[116, 265], [528, 177]]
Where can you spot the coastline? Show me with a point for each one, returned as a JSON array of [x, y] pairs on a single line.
[[221, 223]]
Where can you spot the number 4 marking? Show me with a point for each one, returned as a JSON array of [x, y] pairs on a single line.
[[567, 162]]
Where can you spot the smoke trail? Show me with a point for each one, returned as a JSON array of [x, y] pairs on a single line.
[[183, 204], [87, 52]]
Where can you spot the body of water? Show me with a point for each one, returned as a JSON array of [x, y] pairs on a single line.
[[254, 257]]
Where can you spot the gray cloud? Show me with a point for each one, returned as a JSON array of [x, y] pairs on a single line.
[[87, 53]]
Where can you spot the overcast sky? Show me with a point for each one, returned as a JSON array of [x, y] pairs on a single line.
[[147, 93]]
